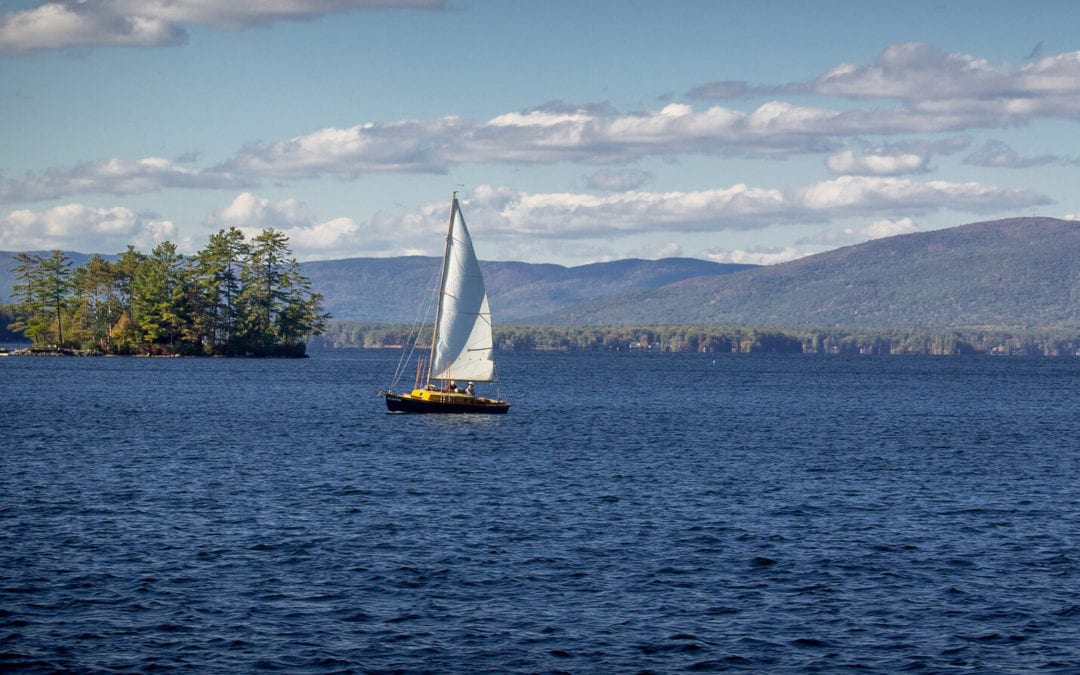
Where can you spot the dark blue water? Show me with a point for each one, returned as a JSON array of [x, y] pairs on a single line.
[[632, 513]]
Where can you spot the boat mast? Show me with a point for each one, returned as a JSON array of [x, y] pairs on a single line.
[[442, 283]]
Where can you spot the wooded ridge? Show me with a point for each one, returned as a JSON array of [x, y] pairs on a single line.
[[1019, 273], [725, 338], [389, 290], [1007, 286], [1016, 273]]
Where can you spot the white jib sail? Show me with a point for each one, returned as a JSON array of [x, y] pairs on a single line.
[[463, 343]]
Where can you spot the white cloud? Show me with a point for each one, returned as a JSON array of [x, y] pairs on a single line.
[[507, 213], [669, 249], [877, 162], [308, 238], [113, 176], [756, 256], [880, 229], [504, 215], [585, 215], [978, 96], [76, 227], [365, 148], [998, 154], [584, 136], [915, 71], [853, 194], [251, 212], [62, 24], [846, 236], [939, 91], [331, 239], [828, 239], [59, 25], [950, 90]]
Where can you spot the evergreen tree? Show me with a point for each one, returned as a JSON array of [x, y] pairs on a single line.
[[55, 290], [26, 292], [217, 285], [158, 299], [301, 314], [125, 336], [98, 307], [232, 298], [260, 294], [278, 308]]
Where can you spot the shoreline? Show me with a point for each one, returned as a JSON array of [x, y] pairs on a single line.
[[54, 352]]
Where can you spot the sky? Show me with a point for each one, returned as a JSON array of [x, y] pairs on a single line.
[[573, 132]]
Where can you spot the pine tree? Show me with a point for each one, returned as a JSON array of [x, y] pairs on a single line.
[[124, 335], [98, 306], [55, 290], [217, 285], [26, 292], [232, 298], [263, 294], [278, 308], [158, 301]]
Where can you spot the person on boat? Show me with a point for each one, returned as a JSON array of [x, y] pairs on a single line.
[[470, 389], [452, 388]]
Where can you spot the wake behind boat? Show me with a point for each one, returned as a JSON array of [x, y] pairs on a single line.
[[461, 343]]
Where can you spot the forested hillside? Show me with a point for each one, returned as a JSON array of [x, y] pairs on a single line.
[[715, 338], [1020, 272], [390, 290], [1020, 276]]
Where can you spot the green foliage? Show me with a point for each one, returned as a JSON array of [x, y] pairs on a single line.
[[8, 317], [276, 302], [157, 296], [100, 308], [389, 290], [231, 298], [1015, 272], [42, 292], [728, 338], [217, 286]]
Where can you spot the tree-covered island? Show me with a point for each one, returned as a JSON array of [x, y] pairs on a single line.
[[235, 297]]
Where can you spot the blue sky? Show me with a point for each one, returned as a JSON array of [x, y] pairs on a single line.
[[574, 131]]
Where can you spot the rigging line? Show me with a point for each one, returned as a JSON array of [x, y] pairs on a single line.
[[422, 312]]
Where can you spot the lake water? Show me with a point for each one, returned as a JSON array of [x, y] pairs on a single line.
[[664, 513]]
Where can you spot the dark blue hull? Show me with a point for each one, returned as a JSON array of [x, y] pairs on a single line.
[[405, 403]]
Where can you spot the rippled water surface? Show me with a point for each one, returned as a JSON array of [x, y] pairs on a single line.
[[631, 513]]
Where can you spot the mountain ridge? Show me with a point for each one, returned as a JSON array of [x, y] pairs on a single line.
[[389, 290], [1012, 272], [1016, 272]]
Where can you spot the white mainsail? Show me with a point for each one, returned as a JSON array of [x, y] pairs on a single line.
[[462, 343]]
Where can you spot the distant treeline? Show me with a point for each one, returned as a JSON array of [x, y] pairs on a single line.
[[1056, 342], [234, 297]]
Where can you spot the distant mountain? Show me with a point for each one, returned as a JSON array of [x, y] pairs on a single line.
[[1019, 272], [390, 290], [1016, 273]]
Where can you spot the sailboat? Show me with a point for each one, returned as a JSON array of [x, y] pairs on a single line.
[[461, 343]]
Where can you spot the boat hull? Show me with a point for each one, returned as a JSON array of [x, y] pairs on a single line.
[[459, 404]]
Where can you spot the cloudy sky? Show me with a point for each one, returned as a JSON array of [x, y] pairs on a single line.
[[574, 131]]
